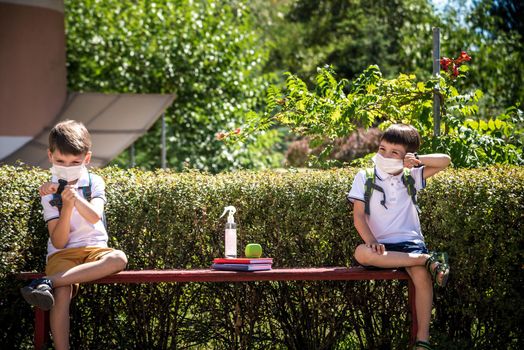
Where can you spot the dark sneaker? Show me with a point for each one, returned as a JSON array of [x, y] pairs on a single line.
[[39, 293]]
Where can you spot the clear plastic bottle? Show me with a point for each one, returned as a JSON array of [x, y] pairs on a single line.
[[231, 240], [231, 233]]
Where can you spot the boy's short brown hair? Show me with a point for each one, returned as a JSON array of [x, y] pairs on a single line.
[[402, 134], [70, 137]]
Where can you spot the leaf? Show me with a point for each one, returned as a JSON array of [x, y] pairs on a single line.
[[335, 116], [499, 124], [471, 123], [478, 95], [315, 142]]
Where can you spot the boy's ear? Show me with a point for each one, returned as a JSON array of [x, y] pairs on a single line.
[[87, 159], [50, 156]]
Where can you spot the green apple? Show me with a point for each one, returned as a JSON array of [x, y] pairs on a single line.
[[253, 250]]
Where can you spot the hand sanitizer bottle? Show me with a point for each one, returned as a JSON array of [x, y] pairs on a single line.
[[231, 233]]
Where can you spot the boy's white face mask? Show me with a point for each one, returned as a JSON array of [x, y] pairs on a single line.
[[68, 173], [388, 165]]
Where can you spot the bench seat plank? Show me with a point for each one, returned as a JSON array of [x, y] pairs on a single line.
[[208, 275]]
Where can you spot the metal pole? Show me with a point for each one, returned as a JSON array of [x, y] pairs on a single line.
[[436, 71], [163, 159], [132, 163]]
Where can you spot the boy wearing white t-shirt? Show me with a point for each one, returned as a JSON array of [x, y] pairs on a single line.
[[77, 249], [385, 215]]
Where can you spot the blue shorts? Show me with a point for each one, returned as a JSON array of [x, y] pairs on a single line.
[[403, 247], [407, 247]]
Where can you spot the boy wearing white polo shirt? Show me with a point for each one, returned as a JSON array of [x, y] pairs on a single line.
[[385, 215], [77, 249]]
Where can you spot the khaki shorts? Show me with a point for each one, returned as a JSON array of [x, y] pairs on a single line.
[[68, 258]]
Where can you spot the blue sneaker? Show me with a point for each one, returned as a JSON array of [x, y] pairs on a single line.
[[39, 293]]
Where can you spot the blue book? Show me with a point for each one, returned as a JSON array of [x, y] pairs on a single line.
[[241, 267]]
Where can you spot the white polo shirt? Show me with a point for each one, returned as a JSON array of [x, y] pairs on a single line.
[[83, 233], [400, 221]]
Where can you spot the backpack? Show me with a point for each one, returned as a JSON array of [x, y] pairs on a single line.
[[86, 191], [370, 185]]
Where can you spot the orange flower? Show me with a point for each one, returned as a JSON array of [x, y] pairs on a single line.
[[237, 131], [220, 135]]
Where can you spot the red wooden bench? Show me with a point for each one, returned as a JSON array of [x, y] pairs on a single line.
[[41, 335]]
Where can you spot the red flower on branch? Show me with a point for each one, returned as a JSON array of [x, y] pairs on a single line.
[[464, 57], [455, 70], [445, 62], [237, 131], [220, 136], [451, 65]]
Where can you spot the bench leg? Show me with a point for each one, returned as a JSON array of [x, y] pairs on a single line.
[[413, 309], [41, 328]]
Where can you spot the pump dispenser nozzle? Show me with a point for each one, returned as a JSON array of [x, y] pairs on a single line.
[[232, 210]]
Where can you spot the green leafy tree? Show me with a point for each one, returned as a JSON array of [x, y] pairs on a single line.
[[397, 36], [206, 52], [491, 30], [349, 35], [334, 108]]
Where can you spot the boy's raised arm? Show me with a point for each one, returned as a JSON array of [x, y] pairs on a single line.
[[433, 163], [47, 188]]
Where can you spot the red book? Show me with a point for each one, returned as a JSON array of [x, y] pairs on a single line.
[[243, 261]]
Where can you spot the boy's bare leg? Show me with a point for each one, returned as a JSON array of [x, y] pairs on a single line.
[[110, 263], [366, 256], [390, 259], [59, 317], [423, 299]]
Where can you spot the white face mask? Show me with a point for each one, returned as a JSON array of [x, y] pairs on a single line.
[[388, 165], [68, 173]]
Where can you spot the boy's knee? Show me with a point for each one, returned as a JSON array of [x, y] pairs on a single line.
[[118, 258], [362, 254], [121, 258]]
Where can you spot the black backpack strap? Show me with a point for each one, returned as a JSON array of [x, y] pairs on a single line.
[[369, 187], [86, 190], [409, 182], [88, 193], [370, 180]]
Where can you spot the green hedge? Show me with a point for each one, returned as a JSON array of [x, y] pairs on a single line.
[[171, 220]]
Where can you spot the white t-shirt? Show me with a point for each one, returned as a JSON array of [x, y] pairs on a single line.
[[400, 221], [83, 233]]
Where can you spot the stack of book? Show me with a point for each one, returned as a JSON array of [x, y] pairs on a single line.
[[242, 264]]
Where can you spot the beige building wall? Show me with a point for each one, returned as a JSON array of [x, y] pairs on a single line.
[[33, 85]]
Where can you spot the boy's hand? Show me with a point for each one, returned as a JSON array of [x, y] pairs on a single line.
[[48, 188], [69, 196], [410, 161], [377, 248]]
